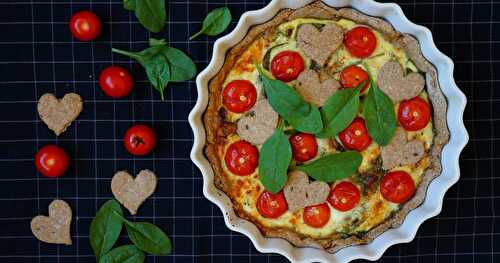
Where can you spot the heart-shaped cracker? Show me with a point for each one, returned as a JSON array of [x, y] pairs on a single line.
[[58, 114], [319, 44], [313, 90], [299, 192], [130, 192], [401, 151], [393, 83], [259, 124], [55, 228]]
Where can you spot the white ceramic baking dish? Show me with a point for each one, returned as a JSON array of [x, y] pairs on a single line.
[[436, 190]]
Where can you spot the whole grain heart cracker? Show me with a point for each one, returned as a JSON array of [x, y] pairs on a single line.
[[398, 87], [313, 90], [400, 151], [130, 192], [319, 44], [259, 124], [299, 192], [55, 228], [58, 114]]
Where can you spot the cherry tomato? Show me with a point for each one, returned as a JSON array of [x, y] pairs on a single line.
[[414, 114], [344, 196], [352, 76], [304, 146], [397, 187], [115, 81], [360, 41], [239, 95], [85, 25], [316, 215], [272, 205], [139, 139], [242, 158], [51, 161], [355, 136], [287, 65]]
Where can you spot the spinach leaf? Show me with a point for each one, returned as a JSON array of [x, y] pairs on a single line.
[[105, 228], [124, 254], [379, 115], [150, 13], [290, 105], [274, 159], [163, 64], [333, 166], [215, 23], [338, 111]]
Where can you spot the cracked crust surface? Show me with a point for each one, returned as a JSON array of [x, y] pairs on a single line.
[[215, 127]]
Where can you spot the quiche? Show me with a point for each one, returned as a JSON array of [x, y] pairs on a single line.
[[325, 126]]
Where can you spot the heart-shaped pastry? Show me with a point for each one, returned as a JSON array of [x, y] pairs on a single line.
[[55, 228], [58, 114], [400, 151], [319, 44], [130, 192], [398, 87], [299, 192], [259, 124], [313, 90]]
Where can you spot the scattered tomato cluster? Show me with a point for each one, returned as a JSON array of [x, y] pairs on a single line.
[[116, 82]]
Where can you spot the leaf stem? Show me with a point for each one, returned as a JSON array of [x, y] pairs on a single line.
[[125, 53], [196, 35]]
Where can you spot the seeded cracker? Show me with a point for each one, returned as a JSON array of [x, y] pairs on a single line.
[[319, 44], [299, 192], [259, 124], [55, 228], [397, 86], [401, 152], [313, 90], [58, 114], [130, 192]]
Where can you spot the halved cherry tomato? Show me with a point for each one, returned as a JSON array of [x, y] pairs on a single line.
[[287, 65], [304, 146], [355, 136], [316, 215], [344, 196], [272, 205], [352, 76], [115, 81], [239, 95], [414, 114], [242, 158], [85, 25], [360, 41], [397, 187], [51, 161], [139, 139]]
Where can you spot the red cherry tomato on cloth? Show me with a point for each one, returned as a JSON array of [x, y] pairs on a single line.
[[287, 65], [344, 196], [271, 205], [414, 114], [317, 215], [304, 146], [115, 81], [85, 25], [239, 95], [242, 158], [51, 161], [355, 136], [360, 42], [352, 76], [139, 140], [397, 187]]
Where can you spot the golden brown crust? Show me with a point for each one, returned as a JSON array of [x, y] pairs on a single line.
[[215, 125]]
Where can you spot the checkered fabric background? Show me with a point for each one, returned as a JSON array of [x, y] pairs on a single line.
[[38, 55]]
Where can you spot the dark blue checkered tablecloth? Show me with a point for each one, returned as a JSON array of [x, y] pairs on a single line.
[[38, 55]]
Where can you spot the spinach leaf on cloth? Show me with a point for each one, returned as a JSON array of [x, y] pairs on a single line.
[[150, 13], [215, 23], [333, 167], [105, 228], [124, 254]]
